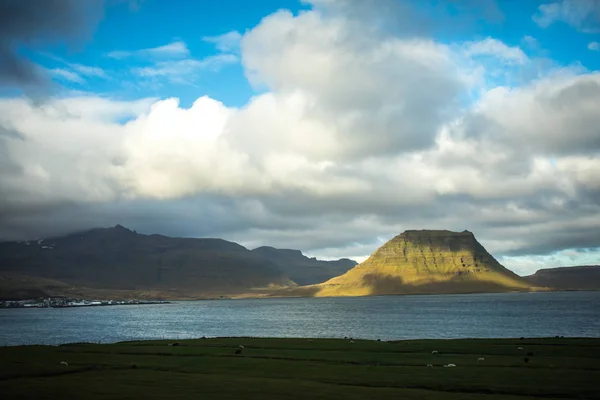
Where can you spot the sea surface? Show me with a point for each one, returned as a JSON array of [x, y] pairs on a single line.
[[574, 314]]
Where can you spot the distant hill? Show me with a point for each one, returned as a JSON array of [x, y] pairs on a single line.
[[568, 278], [14, 287], [120, 259], [301, 269], [423, 262]]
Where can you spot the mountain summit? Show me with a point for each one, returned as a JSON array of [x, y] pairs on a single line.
[[424, 261], [119, 259]]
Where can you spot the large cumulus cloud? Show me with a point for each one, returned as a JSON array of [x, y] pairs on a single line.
[[358, 135], [372, 84]]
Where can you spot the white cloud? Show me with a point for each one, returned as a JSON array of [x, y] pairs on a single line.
[[89, 71], [526, 265], [495, 48], [173, 63], [594, 46], [227, 43], [184, 71], [536, 117], [349, 75], [175, 49], [531, 42], [67, 75], [583, 15], [76, 72]]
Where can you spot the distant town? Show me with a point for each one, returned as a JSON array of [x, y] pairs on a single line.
[[61, 302]]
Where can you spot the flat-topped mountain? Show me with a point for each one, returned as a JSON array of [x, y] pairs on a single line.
[[585, 277], [120, 259], [424, 261], [301, 269]]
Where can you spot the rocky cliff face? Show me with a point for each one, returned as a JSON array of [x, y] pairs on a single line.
[[425, 261], [424, 253]]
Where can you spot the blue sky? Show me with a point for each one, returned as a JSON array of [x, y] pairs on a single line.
[[156, 23], [326, 125]]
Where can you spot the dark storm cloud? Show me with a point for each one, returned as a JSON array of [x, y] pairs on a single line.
[[197, 216], [33, 24], [323, 228]]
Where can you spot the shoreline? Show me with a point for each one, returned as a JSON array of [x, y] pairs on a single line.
[[27, 304], [266, 296]]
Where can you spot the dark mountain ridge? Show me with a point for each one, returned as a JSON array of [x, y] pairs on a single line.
[[586, 277], [304, 270], [120, 259]]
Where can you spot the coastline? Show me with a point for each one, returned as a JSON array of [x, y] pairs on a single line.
[[133, 297], [71, 303]]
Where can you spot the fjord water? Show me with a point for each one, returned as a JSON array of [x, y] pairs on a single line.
[[575, 314]]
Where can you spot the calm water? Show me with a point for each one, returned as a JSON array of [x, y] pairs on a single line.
[[387, 317]]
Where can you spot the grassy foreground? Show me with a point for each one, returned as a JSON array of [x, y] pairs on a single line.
[[305, 369]]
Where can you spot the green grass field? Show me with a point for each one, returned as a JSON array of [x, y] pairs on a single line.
[[305, 369]]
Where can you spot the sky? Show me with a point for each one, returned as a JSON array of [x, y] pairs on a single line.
[[328, 126]]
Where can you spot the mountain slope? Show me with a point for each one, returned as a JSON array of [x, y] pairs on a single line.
[[301, 269], [117, 258], [568, 278], [425, 261]]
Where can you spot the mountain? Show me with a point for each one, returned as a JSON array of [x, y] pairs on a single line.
[[13, 287], [301, 269], [120, 259], [423, 262], [568, 278]]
